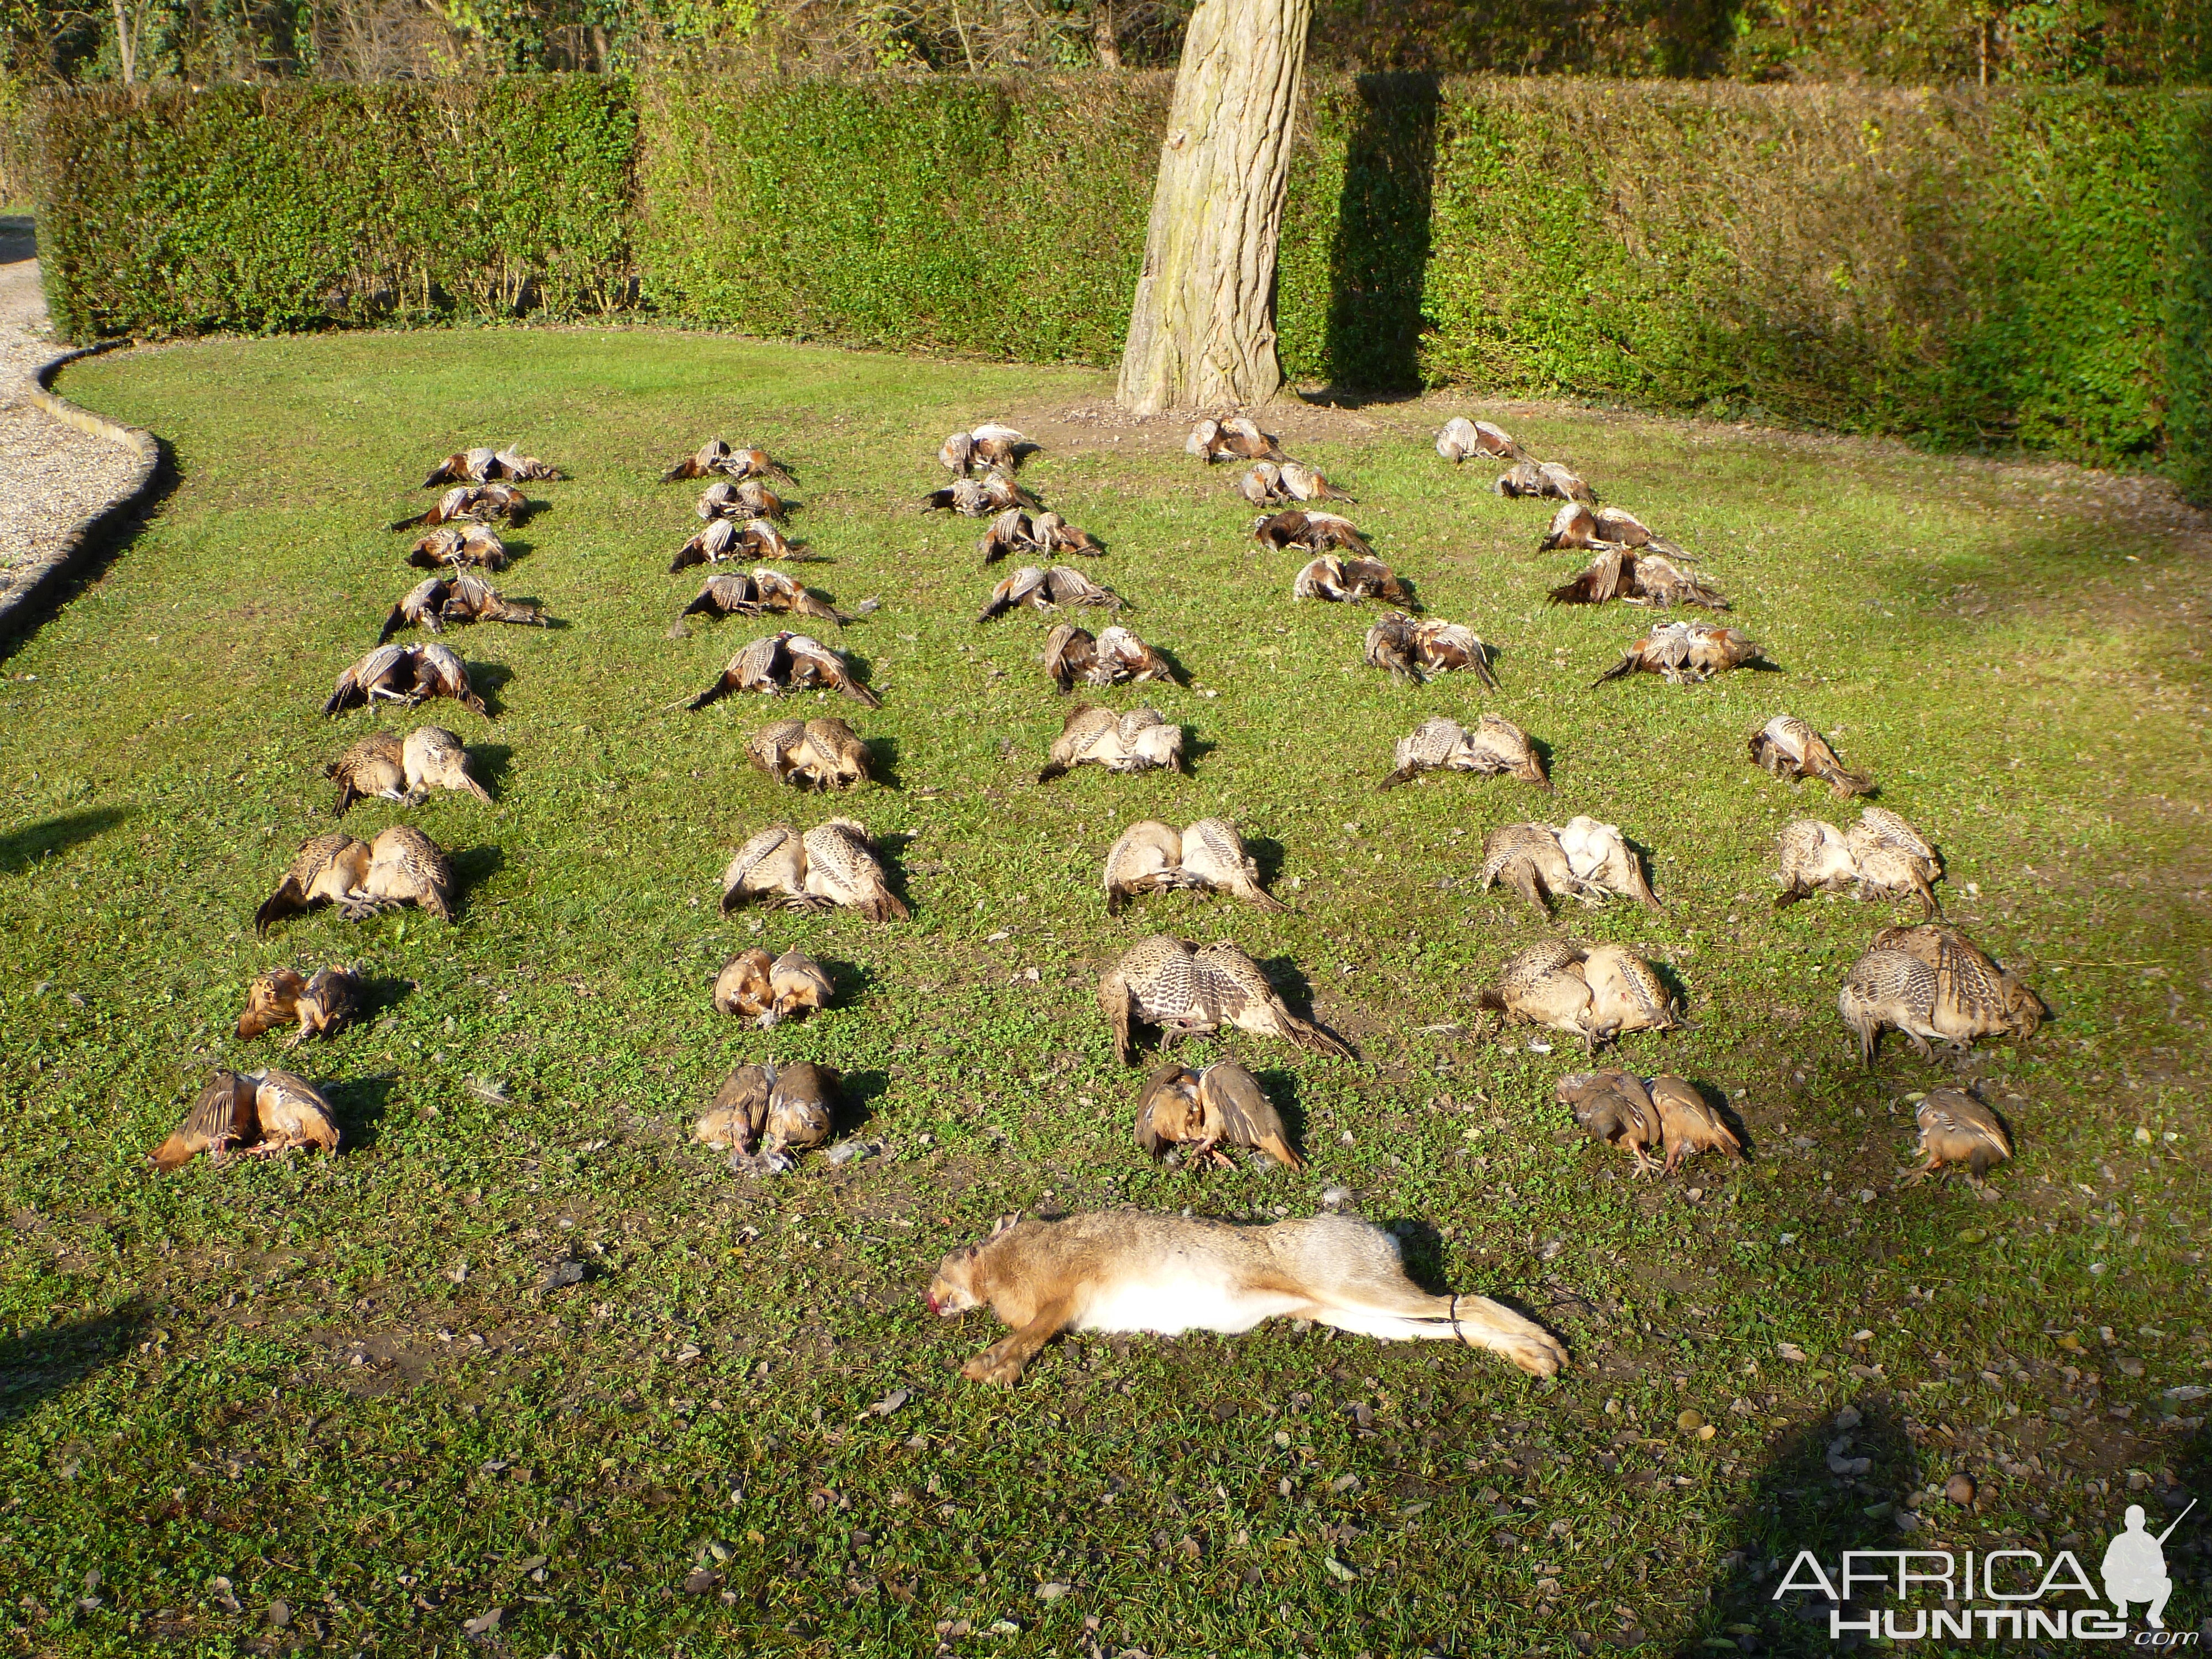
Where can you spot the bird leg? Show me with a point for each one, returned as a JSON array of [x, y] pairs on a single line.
[[1645, 1166]]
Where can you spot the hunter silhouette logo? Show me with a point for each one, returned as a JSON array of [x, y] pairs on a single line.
[[2010, 1593], [2135, 1567]]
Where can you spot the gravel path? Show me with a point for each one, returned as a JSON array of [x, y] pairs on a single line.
[[52, 478]]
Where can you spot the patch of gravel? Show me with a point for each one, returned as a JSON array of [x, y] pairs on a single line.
[[52, 477]]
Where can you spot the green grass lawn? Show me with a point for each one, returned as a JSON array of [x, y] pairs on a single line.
[[336, 1384]]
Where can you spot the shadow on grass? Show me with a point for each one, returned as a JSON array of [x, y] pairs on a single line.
[[490, 762], [22, 848], [1290, 983], [360, 1105], [38, 1364], [106, 537]]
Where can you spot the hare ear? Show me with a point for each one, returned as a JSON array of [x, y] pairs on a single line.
[[1004, 1221]]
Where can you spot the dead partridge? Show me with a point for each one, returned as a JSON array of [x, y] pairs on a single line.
[[1974, 997], [1462, 439], [1600, 856], [1615, 1109], [461, 598], [728, 539], [989, 445], [1139, 741], [375, 766], [1883, 857], [742, 988], [1342, 581], [1121, 657], [834, 754], [1626, 993], [1638, 579], [1788, 748], [405, 868], [221, 1118], [742, 499], [1528, 859], [1889, 989], [483, 466], [1304, 484], [800, 1114], [1261, 484], [1310, 532], [1224, 1106], [1539, 478], [458, 547], [1184, 990], [291, 1113], [1691, 1124], [1232, 438], [1685, 653], [1496, 746], [1545, 986], [779, 749], [322, 1004], [1448, 648], [802, 985], [734, 1119], [841, 867], [1046, 589], [1957, 1128], [326, 870], [434, 758], [1144, 857], [1213, 857], [482, 502], [406, 674], [703, 462], [772, 865], [981, 498]]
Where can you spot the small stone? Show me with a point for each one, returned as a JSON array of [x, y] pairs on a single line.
[[484, 1623], [560, 1274], [1790, 1351], [1960, 1489], [279, 1615], [700, 1580], [1848, 1418], [1052, 1592], [1689, 1422]]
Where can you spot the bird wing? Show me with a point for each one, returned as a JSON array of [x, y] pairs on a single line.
[[1232, 1096]]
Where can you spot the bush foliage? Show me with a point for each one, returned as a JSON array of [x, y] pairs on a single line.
[[257, 209], [1970, 268]]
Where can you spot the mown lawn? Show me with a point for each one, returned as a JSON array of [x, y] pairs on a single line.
[[337, 1385]]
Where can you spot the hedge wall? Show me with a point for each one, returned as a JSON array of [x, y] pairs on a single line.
[[1968, 268], [257, 209]]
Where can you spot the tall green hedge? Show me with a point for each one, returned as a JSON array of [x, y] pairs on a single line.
[[1000, 217], [257, 209], [1969, 267]]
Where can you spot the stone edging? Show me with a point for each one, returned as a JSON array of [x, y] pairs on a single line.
[[26, 585]]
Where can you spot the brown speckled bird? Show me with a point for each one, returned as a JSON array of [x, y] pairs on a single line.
[[981, 498], [715, 456], [742, 499], [1223, 1105], [405, 868], [1789, 748], [1601, 856], [1185, 990], [291, 1113], [459, 546], [1685, 653], [772, 865], [1933, 983], [1957, 1128], [1626, 993], [1309, 532], [734, 1119], [1882, 857], [461, 598], [1595, 991], [1047, 590], [1232, 438], [842, 867], [742, 988], [1649, 578], [1302, 484], [484, 466], [482, 502], [406, 674], [802, 985], [1495, 746], [1342, 581], [375, 765], [986, 445], [786, 662], [1541, 478], [1615, 1109], [1528, 859], [1462, 439], [326, 870], [835, 756], [1139, 741], [1119, 657], [1691, 1124], [321, 1005], [801, 1108], [726, 539], [221, 1117], [1415, 649], [1261, 484], [734, 593], [1213, 858], [1144, 857]]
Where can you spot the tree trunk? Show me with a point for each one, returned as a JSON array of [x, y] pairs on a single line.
[[1202, 330], [126, 46]]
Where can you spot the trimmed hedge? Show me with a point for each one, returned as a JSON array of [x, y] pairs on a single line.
[[259, 210], [1968, 268]]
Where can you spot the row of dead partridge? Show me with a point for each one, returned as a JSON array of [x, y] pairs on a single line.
[[1928, 982]]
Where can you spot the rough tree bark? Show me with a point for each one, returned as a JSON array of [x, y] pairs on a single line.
[[1202, 330]]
